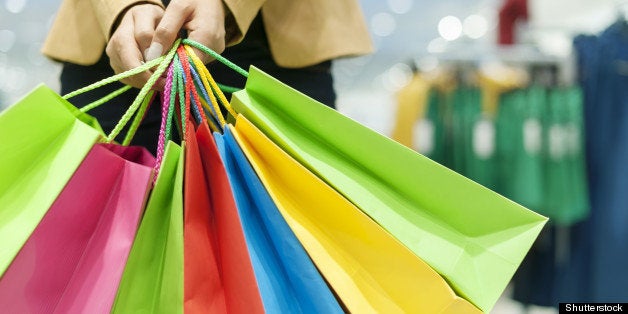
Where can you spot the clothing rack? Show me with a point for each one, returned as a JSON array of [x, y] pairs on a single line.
[[544, 69]]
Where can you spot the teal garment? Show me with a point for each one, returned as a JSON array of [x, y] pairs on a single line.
[[458, 129], [434, 117], [472, 138], [519, 135], [576, 207], [567, 198], [531, 184], [478, 140], [507, 143]]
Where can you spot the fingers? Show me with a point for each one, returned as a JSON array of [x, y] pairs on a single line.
[[134, 32], [145, 22], [129, 57], [145, 31], [203, 19], [176, 15], [206, 26]]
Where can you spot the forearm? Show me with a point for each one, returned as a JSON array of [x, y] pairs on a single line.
[[238, 17], [108, 12]]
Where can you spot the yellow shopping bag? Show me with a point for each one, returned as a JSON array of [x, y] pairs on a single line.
[[368, 268]]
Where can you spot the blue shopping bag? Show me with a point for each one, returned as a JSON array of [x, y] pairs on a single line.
[[287, 278]]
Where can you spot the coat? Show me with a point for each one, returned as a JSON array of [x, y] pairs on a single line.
[[300, 33]]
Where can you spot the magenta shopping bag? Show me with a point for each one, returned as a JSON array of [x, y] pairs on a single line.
[[73, 261]]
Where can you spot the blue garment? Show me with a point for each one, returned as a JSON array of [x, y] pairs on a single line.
[[594, 265], [604, 64]]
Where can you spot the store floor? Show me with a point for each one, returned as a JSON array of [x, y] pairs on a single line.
[[506, 305]]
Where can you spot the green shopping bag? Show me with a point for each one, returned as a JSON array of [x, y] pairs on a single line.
[[470, 235], [43, 140], [153, 277]]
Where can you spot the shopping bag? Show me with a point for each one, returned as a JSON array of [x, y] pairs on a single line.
[[152, 281], [238, 283], [288, 280], [73, 261], [203, 292], [472, 236], [369, 270], [218, 271], [43, 139], [286, 277]]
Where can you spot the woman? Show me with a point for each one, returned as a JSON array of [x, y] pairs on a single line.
[[293, 41]]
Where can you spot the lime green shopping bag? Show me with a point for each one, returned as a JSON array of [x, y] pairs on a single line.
[[153, 277], [473, 237], [43, 140]]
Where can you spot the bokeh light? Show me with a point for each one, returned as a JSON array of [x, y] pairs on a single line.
[[383, 24], [450, 28], [475, 26]]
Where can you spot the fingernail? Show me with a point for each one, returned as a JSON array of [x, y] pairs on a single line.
[[153, 52]]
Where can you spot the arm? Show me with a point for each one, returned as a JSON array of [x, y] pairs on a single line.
[[204, 21]]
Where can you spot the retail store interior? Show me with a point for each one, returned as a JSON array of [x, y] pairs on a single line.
[[526, 97]]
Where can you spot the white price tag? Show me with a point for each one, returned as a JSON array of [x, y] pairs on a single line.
[[532, 136], [557, 142], [484, 138], [423, 136]]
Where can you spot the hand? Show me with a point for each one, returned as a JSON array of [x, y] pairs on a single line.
[[146, 31], [203, 19], [131, 38]]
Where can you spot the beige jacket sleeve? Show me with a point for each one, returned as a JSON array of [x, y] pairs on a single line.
[[81, 29], [300, 32], [239, 15]]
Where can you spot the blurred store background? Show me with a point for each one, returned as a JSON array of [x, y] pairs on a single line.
[[528, 97]]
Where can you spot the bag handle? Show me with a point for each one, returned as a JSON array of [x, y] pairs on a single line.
[[211, 119], [161, 63], [193, 84], [208, 90], [167, 112], [161, 68], [211, 85], [216, 56]]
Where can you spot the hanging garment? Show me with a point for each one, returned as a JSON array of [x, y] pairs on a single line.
[[510, 12], [605, 77], [592, 266]]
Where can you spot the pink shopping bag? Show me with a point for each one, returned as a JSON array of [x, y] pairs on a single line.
[[73, 261]]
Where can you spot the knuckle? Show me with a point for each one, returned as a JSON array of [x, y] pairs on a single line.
[[163, 31], [181, 6], [144, 35]]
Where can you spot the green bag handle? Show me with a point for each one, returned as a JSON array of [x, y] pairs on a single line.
[[209, 84], [216, 56], [161, 63]]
